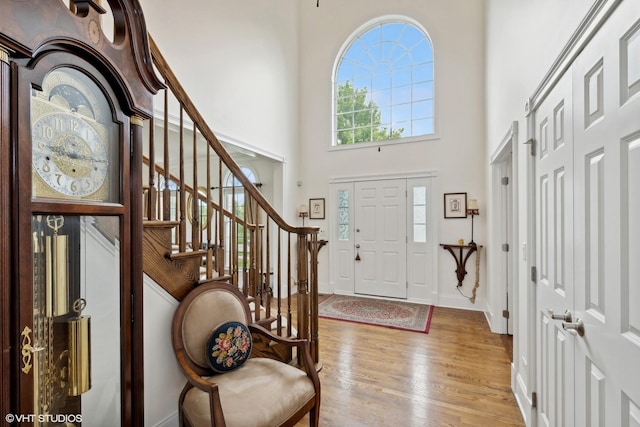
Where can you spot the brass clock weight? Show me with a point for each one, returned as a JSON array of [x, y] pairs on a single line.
[[62, 366], [79, 350]]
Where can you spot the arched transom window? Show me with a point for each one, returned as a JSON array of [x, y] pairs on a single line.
[[383, 84]]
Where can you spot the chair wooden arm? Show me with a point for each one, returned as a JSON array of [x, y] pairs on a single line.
[[289, 342], [194, 378], [211, 388], [304, 354]]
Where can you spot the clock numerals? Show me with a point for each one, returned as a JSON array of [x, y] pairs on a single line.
[[55, 125], [69, 155], [46, 168], [47, 133]]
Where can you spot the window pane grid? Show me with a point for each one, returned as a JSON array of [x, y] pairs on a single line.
[[420, 214], [343, 215], [385, 78]]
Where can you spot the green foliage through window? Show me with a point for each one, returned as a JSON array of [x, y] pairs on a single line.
[[358, 119]]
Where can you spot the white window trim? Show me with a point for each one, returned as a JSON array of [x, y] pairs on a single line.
[[347, 43]]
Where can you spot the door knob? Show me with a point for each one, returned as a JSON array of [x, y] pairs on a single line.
[[565, 317], [577, 327]]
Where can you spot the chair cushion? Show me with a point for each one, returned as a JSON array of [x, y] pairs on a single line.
[[228, 346], [261, 393]]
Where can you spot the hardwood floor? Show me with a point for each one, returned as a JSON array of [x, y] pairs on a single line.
[[457, 375]]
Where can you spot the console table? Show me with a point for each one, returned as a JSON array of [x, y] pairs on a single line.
[[461, 257]]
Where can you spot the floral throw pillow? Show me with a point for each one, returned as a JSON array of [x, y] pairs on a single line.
[[228, 346]]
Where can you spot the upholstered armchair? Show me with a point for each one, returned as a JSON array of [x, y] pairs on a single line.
[[211, 334]]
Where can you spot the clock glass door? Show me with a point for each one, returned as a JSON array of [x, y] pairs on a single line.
[[72, 344], [76, 331]]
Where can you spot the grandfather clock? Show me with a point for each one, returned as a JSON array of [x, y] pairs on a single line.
[[72, 102]]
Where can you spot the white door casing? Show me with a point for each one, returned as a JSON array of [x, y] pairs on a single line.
[[417, 230], [506, 233], [502, 247], [381, 238]]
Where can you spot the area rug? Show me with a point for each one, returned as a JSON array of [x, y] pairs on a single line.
[[390, 314]]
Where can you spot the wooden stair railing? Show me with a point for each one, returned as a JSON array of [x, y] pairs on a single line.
[[206, 221]]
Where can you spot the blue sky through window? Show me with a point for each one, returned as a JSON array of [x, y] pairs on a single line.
[[391, 64]]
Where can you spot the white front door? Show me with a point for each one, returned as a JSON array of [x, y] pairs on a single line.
[[606, 86], [554, 240], [381, 238], [588, 255]]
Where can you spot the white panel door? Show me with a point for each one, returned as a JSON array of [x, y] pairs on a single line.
[[606, 84], [554, 239], [380, 238]]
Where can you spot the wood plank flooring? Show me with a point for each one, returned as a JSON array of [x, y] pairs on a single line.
[[457, 375]]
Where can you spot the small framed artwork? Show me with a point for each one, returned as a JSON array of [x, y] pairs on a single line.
[[316, 208], [455, 205]]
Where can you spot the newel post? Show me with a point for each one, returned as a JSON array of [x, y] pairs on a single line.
[[314, 248], [303, 286], [308, 248]]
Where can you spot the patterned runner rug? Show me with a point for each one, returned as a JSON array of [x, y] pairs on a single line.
[[390, 314]]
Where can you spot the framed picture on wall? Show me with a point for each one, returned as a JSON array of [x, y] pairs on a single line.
[[455, 205], [316, 208]]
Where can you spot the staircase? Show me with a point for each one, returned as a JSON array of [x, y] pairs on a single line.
[[199, 229]]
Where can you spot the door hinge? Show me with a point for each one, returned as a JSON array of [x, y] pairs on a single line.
[[532, 142], [505, 247], [505, 314], [505, 180], [534, 274], [534, 400], [132, 310]]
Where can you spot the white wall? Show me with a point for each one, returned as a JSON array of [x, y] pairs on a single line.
[[100, 260], [238, 62], [456, 28], [163, 379], [261, 74], [522, 41], [249, 66]]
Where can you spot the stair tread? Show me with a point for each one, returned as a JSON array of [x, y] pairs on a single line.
[[187, 254], [160, 224], [223, 278]]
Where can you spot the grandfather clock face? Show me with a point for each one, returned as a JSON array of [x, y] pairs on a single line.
[[74, 139]]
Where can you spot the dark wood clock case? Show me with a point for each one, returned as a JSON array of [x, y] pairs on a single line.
[[47, 239]]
